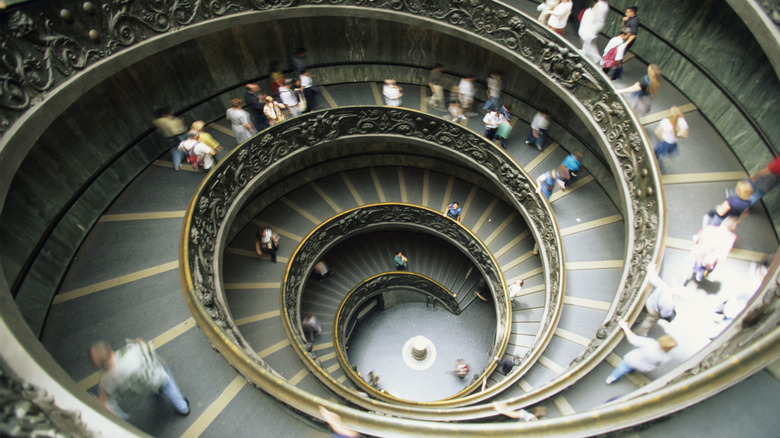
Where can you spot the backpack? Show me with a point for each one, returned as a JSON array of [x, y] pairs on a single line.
[[608, 61]]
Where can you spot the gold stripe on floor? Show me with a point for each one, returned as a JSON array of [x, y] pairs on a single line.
[[533, 272], [465, 206], [142, 216], [541, 157], [351, 188], [736, 253], [377, 185], [447, 193], [635, 377], [300, 375], [222, 129], [328, 98], [525, 386], [579, 183], [341, 379], [273, 348], [628, 57], [563, 406], [402, 184], [656, 117], [169, 164], [279, 231], [598, 264], [158, 342], [327, 357], [323, 346], [485, 214], [118, 281], [424, 98], [242, 252], [511, 264], [704, 177], [572, 337], [257, 318], [528, 290], [551, 365], [234, 286], [511, 244], [590, 225], [300, 211], [333, 367], [587, 303], [426, 185], [210, 414], [500, 227], [327, 198], [377, 95]]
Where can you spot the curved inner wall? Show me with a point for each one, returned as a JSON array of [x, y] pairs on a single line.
[[117, 112]]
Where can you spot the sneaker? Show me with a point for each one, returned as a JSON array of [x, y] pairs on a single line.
[[528, 144], [273, 260], [184, 414], [462, 117], [609, 380], [539, 148], [561, 184], [177, 168]]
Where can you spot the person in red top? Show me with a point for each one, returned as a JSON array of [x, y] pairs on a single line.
[[764, 180]]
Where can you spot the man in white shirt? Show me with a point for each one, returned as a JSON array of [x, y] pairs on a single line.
[[466, 92], [194, 147], [288, 98], [494, 91], [607, 59]]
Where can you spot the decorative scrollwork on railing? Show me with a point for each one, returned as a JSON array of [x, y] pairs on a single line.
[[29, 411], [220, 197]]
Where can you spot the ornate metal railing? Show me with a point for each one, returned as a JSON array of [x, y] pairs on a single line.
[[388, 216], [380, 284], [220, 197]]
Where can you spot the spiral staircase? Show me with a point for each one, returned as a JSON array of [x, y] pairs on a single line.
[[122, 281]]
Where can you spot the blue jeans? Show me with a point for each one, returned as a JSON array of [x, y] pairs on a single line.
[[176, 154], [547, 185], [172, 392], [621, 370], [538, 141], [491, 104]]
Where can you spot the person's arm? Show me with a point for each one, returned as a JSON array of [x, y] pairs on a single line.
[[723, 208], [275, 239], [632, 89], [335, 423], [257, 247], [501, 408], [458, 219], [631, 38]]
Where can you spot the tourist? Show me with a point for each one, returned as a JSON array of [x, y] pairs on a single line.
[[668, 131], [593, 20], [255, 100], [273, 110], [311, 327], [539, 125], [240, 121], [712, 244], [174, 130], [436, 84], [266, 240], [559, 16], [400, 261], [494, 84], [392, 93], [453, 211], [648, 356], [199, 155], [644, 90], [134, 368]]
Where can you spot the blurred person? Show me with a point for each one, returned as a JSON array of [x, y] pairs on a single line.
[[559, 16], [255, 100], [340, 430], [455, 109], [505, 365], [206, 138], [504, 127], [275, 77], [482, 291], [199, 155], [712, 244], [400, 261], [764, 180], [392, 93], [266, 240], [568, 169], [648, 356], [494, 85], [659, 305], [611, 61], [466, 93], [539, 125], [736, 204], [644, 90], [461, 368], [273, 110], [311, 327], [134, 368], [592, 22], [288, 97], [491, 120], [453, 211], [631, 21], [544, 9], [174, 130], [436, 84], [515, 288], [520, 414], [667, 132], [322, 270], [240, 121], [299, 61], [310, 91]]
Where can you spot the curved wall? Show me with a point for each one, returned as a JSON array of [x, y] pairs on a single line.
[[111, 120]]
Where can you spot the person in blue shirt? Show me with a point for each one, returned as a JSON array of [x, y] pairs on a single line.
[[454, 211]]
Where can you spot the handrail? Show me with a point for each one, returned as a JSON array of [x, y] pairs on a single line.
[[402, 216]]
